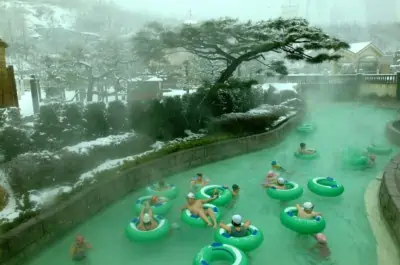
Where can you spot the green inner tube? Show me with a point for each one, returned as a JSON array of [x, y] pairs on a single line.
[[195, 220], [327, 187], [134, 234], [307, 156], [250, 242], [303, 226], [379, 149], [356, 161], [217, 252], [160, 208], [170, 191], [293, 191], [206, 192], [305, 128]]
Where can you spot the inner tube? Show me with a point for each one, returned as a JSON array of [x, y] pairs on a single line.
[[161, 231], [220, 252], [195, 220], [356, 162], [306, 156], [224, 198], [302, 226], [379, 149], [171, 192], [305, 128], [160, 208], [247, 243], [327, 187], [293, 191]]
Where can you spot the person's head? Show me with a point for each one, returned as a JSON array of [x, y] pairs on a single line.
[[280, 181], [79, 239], [321, 238], [190, 197], [161, 183], [271, 174], [199, 176], [235, 188], [308, 207], [274, 163], [153, 199], [302, 145], [372, 157], [146, 218], [237, 220]]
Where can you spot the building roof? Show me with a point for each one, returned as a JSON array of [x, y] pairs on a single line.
[[358, 46]]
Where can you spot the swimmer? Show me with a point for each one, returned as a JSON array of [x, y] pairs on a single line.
[[155, 200], [235, 195], [146, 220], [199, 181], [271, 179], [275, 166], [371, 160], [79, 248], [160, 186], [321, 245], [280, 184], [306, 211], [196, 207], [304, 150], [237, 229]]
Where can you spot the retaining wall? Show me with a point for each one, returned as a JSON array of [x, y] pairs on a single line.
[[23, 242], [392, 132], [389, 195]]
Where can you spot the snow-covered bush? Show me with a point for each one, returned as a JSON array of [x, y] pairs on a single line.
[[95, 120], [117, 116], [33, 171], [72, 123], [251, 122], [14, 141], [10, 117], [276, 96]]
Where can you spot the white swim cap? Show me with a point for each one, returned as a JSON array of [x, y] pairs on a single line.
[[190, 195], [146, 218], [308, 206], [280, 181], [237, 219]]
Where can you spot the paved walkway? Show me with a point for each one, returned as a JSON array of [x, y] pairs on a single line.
[[386, 246]]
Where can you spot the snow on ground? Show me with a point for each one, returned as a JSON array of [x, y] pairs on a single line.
[[177, 92], [40, 198], [10, 212], [279, 87], [84, 148]]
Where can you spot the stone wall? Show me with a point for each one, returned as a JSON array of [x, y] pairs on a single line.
[[392, 132], [389, 195], [21, 243], [378, 89]]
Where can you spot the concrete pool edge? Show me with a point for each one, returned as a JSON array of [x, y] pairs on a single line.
[[23, 242], [387, 247], [392, 132]]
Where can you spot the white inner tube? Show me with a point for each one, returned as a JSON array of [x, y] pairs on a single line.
[[208, 187]]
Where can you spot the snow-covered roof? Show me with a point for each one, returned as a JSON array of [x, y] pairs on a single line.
[[190, 22], [358, 46], [146, 79]]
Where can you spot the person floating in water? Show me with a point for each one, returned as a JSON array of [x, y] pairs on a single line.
[[79, 248], [161, 186], [276, 167], [280, 184], [304, 150], [146, 220], [235, 195], [196, 208], [321, 246], [270, 179], [238, 229], [307, 211], [198, 182], [371, 160]]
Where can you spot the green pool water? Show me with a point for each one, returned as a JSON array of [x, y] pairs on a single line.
[[351, 241]]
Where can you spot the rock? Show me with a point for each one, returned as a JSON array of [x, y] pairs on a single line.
[[3, 198]]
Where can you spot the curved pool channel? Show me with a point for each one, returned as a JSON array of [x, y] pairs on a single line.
[[339, 125]]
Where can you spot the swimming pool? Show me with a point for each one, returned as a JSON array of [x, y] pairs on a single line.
[[339, 125]]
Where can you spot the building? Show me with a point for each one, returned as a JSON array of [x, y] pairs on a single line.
[[8, 91], [144, 88], [362, 57]]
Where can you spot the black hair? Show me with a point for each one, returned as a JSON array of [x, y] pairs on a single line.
[[200, 174], [235, 187], [235, 224], [302, 145], [161, 182]]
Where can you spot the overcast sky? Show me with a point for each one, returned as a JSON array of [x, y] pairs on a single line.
[[319, 11]]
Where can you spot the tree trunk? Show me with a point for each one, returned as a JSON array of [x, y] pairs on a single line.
[[89, 95], [228, 72]]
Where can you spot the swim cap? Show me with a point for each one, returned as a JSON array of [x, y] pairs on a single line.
[[237, 219], [321, 238], [274, 163], [146, 218], [308, 206], [190, 195], [280, 181], [271, 173]]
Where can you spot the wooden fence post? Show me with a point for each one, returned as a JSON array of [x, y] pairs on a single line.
[[398, 85], [34, 94]]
